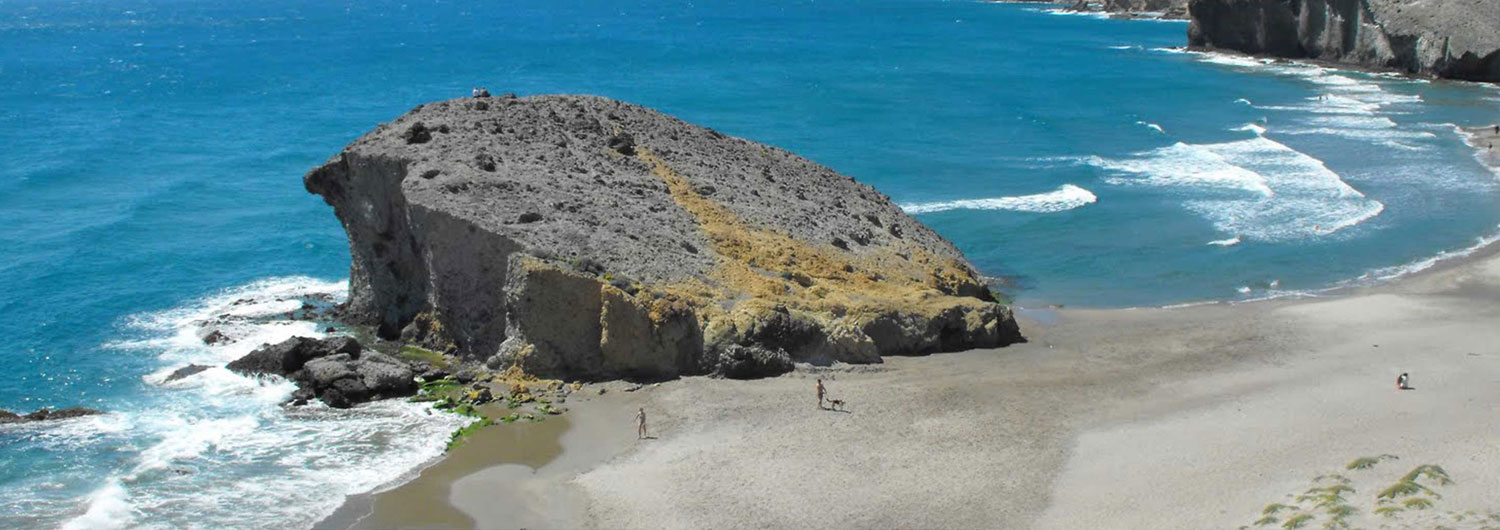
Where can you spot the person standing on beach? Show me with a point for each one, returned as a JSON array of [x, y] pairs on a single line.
[[1401, 381], [640, 424], [821, 392]]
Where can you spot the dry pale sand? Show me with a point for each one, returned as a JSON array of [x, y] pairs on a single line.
[[1183, 418], [1191, 417]]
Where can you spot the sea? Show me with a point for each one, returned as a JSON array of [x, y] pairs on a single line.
[[151, 153]]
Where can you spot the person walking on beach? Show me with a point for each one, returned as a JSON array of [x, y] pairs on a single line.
[[821, 392], [640, 424]]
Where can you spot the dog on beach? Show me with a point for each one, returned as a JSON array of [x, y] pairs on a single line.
[[836, 404]]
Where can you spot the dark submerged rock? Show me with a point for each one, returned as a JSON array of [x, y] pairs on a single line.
[[184, 372]]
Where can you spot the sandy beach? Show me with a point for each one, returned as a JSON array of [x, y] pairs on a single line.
[[1188, 417]]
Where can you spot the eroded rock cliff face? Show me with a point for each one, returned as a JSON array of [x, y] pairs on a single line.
[[1457, 39], [588, 238]]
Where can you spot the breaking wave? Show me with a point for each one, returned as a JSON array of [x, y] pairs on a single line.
[[222, 440], [1256, 188], [1065, 198]]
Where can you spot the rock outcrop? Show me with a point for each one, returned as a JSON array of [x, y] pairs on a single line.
[[1457, 39], [45, 414], [1169, 9], [335, 370], [587, 238]]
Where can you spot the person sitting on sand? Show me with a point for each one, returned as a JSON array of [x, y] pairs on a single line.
[[640, 424], [484, 92], [474, 92], [1401, 382], [821, 392]]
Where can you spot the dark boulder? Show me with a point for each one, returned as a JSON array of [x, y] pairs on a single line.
[[184, 372], [752, 362], [214, 336], [290, 355], [11, 417], [342, 381]]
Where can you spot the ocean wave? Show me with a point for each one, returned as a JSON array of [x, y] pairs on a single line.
[[217, 438], [1064, 198], [1225, 242], [1256, 188], [1416, 266], [1073, 13], [1152, 126]]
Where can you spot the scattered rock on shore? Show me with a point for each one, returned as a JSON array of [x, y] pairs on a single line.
[[751, 362]]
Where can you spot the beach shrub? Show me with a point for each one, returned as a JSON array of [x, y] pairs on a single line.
[[1297, 521]]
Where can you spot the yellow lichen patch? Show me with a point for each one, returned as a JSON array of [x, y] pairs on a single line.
[[762, 264]]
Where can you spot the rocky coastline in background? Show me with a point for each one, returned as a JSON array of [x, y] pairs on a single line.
[[584, 238], [1457, 39], [1160, 9], [1163, 9]]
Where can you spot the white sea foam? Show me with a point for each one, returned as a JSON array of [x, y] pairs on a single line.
[[1243, 101], [1225, 242], [1075, 13], [1407, 269], [108, 509], [220, 439], [1065, 198], [1258, 129], [1257, 188], [1152, 126]]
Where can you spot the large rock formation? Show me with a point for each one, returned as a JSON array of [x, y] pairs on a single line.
[[336, 370], [588, 238], [1446, 38]]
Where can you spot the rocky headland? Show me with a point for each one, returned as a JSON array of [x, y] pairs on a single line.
[[1168, 9], [1457, 39], [586, 238]]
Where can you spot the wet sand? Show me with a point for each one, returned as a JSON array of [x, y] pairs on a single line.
[[1486, 140], [506, 475]]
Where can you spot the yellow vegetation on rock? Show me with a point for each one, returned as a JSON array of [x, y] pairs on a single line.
[[778, 270]]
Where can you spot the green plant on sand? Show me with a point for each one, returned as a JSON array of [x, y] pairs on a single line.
[[1332, 500]]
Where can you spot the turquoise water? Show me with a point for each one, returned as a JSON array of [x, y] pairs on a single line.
[[153, 150]]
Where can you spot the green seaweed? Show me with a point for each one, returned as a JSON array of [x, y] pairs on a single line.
[[416, 353], [464, 432]]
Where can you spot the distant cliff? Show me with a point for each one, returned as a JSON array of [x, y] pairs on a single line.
[[1171, 9], [1457, 39], [581, 237]]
